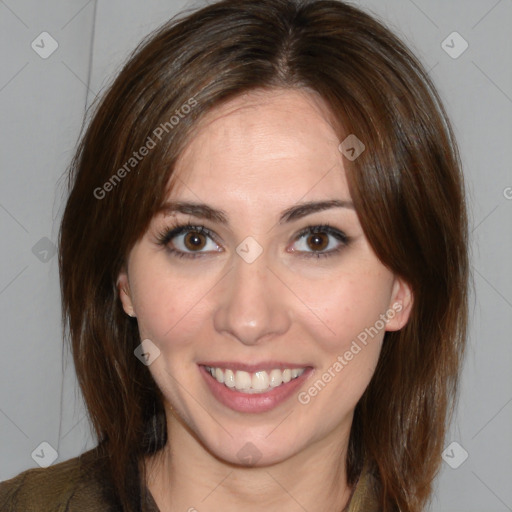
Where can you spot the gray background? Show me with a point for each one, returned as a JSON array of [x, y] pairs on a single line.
[[42, 104]]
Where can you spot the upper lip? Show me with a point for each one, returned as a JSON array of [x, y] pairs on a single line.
[[253, 367]]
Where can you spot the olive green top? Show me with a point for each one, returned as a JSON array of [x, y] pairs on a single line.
[[81, 485]]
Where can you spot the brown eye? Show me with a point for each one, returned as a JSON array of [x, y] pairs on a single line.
[[194, 241], [322, 240], [189, 241], [318, 241]]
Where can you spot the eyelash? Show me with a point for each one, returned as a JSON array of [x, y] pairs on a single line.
[[165, 236]]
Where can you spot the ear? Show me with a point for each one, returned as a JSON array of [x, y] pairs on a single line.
[[400, 305], [123, 287]]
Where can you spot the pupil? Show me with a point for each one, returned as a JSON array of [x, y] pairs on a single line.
[[194, 241], [317, 241]]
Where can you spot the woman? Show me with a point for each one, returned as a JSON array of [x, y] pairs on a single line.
[[264, 271]]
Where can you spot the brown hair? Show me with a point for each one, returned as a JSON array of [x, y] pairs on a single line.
[[407, 188]]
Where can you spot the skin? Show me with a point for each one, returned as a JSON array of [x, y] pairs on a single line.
[[254, 157]]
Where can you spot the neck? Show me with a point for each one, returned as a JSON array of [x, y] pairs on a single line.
[[185, 476]]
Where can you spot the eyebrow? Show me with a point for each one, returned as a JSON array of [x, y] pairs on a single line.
[[203, 211]]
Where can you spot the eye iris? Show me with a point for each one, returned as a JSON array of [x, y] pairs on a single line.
[[318, 241], [194, 240]]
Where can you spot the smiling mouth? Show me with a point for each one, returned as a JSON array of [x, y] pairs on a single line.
[[260, 381]]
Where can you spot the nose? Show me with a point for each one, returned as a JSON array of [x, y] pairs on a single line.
[[252, 303]]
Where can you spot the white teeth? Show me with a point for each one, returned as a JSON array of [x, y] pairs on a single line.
[[229, 378], [219, 375], [258, 382], [276, 378], [242, 379]]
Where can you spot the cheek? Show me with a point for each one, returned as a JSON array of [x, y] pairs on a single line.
[[348, 341], [169, 307], [342, 309]]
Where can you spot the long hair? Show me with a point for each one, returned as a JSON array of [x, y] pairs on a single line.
[[407, 188]]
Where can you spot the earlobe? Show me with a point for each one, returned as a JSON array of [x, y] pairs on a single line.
[[400, 305], [123, 288]]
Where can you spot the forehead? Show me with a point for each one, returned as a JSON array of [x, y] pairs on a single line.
[[278, 144]]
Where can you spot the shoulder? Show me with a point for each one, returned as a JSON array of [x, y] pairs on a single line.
[[366, 493], [77, 484]]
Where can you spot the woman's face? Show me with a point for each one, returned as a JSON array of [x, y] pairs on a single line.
[[274, 274]]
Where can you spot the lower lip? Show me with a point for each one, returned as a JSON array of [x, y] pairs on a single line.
[[256, 402]]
